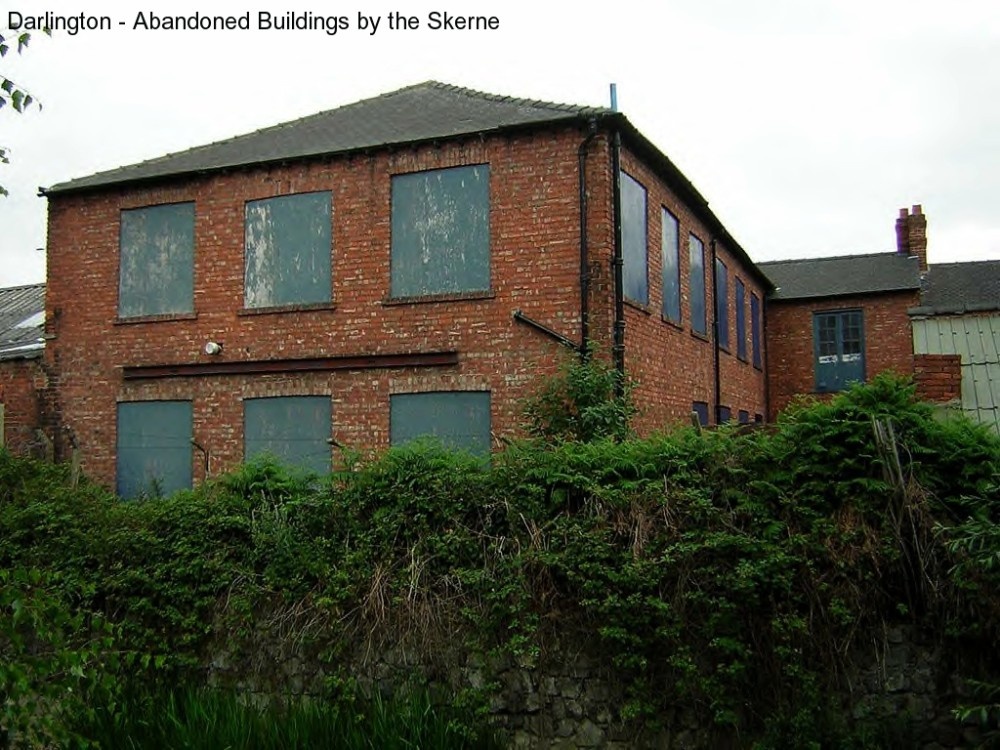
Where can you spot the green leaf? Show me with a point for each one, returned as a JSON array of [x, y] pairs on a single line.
[[7, 85], [4, 49]]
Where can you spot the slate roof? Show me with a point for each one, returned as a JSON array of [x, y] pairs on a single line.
[[22, 321], [842, 275], [957, 288], [423, 112]]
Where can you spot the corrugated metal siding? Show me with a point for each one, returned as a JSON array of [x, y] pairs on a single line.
[[976, 338]]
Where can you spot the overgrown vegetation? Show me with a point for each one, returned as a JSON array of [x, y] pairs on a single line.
[[730, 573]]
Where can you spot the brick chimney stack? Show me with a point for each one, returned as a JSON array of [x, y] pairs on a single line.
[[911, 235]]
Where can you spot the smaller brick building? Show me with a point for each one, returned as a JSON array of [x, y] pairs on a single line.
[[22, 379], [834, 321]]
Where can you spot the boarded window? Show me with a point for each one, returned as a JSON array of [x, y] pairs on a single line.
[[741, 320], [459, 419], [721, 304], [156, 261], [839, 346], [696, 251], [725, 414], [287, 250], [154, 447], [744, 416], [701, 409], [293, 429], [755, 329], [634, 254], [441, 231], [670, 253]]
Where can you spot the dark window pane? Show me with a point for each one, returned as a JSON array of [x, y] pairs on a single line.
[[441, 231], [670, 252], [725, 414], [701, 409], [153, 447], [634, 253], [755, 329], [459, 419], [156, 272], [696, 251], [744, 416], [287, 250], [722, 303], [839, 349], [741, 320]]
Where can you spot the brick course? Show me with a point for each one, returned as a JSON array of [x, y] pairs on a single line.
[[938, 377], [21, 383]]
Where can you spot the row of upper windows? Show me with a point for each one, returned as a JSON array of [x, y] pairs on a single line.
[[154, 443], [440, 245], [635, 275], [725, 414]]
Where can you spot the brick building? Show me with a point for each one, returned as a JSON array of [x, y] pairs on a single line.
[[22, 378], [408, 264]]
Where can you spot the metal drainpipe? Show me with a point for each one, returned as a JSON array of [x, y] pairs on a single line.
[[715, 332], [584, 250], [618, 346], [763, 354]]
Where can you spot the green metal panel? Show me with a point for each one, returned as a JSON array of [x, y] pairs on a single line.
[[839, 346], [722, 304], [976, 339], [441, 231], [293, 429], [459, 419], [154, 447], [696, 251], [670, 258], [156, 260], [288, 250], [635, 274]]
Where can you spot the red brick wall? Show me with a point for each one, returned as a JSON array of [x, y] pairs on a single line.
[[938, 377], [671, 365], [21, 380], [888, 340], [534, 220]]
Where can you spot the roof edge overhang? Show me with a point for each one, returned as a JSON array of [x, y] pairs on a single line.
[[926, 311], [836, 295]]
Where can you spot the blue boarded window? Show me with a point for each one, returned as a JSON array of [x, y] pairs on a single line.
[[635, 274], [725, 414], [459, 419], [701, 409], [441, 232], [741, 320], [696, 251], [839, 344], [721, 304], [755, 329], [293, 429], [156, 260], [744, 416], [287, 250], [670, 252], [153, 448]]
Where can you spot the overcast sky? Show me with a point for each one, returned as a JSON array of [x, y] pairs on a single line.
[[806, 124]]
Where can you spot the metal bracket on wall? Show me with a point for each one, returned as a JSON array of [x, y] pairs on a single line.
[[521, 317]]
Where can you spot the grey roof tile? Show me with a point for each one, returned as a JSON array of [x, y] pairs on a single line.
[[957, 288], [22, 321], [842, 275], [422, 112]]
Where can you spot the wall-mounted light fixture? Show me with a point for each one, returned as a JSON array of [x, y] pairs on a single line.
[[213, 347]]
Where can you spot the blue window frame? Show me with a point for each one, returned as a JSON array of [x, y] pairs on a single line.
[[701, 409], [839, 343], [459, 419], [721, 304], [441, 232], [755, 329], [293, 429], [696, 252], [153, 448], [156, 260], [634, 240], [287, 250], [670, 254], [741, 320]]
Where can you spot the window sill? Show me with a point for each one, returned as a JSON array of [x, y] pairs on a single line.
[[643, 308], [672, 323], [700, 336], [743, 358], [725, 349], [431, 298], [161, 318], [278, 309]]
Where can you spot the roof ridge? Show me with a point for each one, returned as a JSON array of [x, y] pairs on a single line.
[[518, 100], [832, 257]]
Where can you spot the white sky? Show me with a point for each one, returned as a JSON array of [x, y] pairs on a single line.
[[806, 124]]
